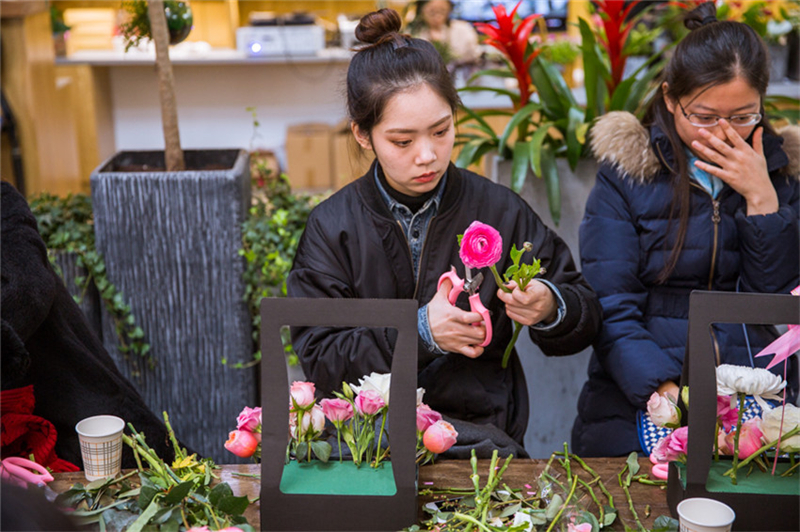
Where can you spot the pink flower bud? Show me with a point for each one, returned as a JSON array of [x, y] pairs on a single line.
[[313, 419], [439, 437], [481, 246], [337, 410], [426, 417], [241, 443], [303, 393], [249, 419], [369, 402], [662, 410]]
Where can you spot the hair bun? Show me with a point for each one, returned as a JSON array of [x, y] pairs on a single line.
[[375, 27], [705, 13]]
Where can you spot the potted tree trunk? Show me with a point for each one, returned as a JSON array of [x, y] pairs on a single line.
[[169, 226]]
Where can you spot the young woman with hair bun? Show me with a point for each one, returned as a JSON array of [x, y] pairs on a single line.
[[702, 195], [392, 233]]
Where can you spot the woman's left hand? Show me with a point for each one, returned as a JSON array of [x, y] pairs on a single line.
[[741, 166], [533, 305]]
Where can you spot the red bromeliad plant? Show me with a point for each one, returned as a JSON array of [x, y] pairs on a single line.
[[512, 39], [614, 14]]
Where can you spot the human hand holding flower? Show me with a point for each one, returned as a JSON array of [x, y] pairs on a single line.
[[530, 305]]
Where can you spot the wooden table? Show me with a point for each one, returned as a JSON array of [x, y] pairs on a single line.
[[455, 474]]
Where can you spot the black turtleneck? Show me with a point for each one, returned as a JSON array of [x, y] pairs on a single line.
[[414, 203]]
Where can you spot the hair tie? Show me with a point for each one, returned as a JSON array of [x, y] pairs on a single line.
[[708, 20]]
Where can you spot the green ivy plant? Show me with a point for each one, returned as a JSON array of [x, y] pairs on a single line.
[[270, 234], [67, 225]]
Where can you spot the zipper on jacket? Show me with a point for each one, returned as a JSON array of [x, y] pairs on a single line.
[[715, 219], [421, 255]]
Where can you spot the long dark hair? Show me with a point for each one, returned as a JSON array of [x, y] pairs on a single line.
[[713, 53], [390, 63]]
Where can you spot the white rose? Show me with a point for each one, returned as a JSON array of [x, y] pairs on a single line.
[[771, 426], [381, 383], [662, 410], [751, 381]]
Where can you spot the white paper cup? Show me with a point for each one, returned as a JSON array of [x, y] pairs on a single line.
[[101, 445], [705, 515]]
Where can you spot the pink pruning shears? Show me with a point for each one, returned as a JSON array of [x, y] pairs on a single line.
[[470, 286], [24, 472]]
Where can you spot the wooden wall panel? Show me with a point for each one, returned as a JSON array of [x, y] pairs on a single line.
[[46, 128]]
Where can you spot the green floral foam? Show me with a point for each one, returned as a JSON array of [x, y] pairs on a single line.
[[337, 478]]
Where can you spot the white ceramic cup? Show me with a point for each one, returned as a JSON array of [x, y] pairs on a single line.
[[705, 515], [101, 445]]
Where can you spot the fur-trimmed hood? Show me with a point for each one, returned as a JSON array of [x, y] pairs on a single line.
[[619, 139]]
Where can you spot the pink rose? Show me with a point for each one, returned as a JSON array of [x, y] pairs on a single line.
[[302, 393], [426, 417], [242, 443], [481, 246], [727, 413], [750, 438], [249, 419], [337, 410], [663, 411], [439, 437], [313, 419], [369, 402]]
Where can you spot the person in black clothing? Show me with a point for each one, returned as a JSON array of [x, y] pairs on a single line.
[[393, 233], [47, 342]]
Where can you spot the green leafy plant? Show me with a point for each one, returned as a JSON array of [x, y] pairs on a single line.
[[561, 51], [165, 497], [137, 25], [270, 235], [67, 225]]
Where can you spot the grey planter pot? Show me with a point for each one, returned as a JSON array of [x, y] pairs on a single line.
[[554, 398], [170, 243]]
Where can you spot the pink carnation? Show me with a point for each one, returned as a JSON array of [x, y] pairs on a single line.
[[481, 246], [673, 447], [249, 419]]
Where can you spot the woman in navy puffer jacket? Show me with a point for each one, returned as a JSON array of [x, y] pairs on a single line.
[[662, 221]]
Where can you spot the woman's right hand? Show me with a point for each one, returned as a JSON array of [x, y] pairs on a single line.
[[452, 327]]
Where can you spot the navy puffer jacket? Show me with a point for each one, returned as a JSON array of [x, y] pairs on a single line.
[[622, 245]]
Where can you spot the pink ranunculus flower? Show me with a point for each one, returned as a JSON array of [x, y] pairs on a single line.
[[439, 437], [663, 410], [242, 443], [750, 438], [369, 402], [337, 410], [481, 246], [727, 412], [249, 419], [303, 393], [426, 416]]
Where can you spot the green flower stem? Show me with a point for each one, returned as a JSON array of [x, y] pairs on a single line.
[[380, 437], [736, 438], [624, 486], [716, 441], [566, 503], [790, 470], [339, 438], [510, 346], [500, 284], [594, 498], [470, 519], [566, 459]]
